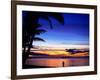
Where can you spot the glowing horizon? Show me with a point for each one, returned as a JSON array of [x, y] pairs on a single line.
[[54, 46]]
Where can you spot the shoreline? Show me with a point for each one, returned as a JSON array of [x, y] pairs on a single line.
[[52, 57]]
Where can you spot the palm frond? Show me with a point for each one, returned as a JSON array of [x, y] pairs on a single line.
[[57, 16], [48, 19], [38, 39], [39, 31]]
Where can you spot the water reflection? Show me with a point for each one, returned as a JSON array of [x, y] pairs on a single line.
[[58, 62]]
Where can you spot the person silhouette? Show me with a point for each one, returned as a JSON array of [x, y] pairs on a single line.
[[63, 63]]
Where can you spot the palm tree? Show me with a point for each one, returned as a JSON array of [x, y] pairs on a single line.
[[30, 24], [29, 41], [31, 27]]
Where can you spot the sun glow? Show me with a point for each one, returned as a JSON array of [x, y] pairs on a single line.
[[60, 50], [59, 46], [53, 52]]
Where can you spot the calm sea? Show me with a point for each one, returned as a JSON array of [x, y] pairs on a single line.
[[55, 62]]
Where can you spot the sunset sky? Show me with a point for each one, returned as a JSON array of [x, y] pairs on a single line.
[[74, 32]]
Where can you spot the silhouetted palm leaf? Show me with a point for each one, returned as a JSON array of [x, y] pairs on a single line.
[[48, 19], [39, 31], [57, 16], [38, 39]]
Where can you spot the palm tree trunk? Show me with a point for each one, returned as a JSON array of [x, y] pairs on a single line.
[[35, 20], [30, 44], [24, 58], [25, 55]]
